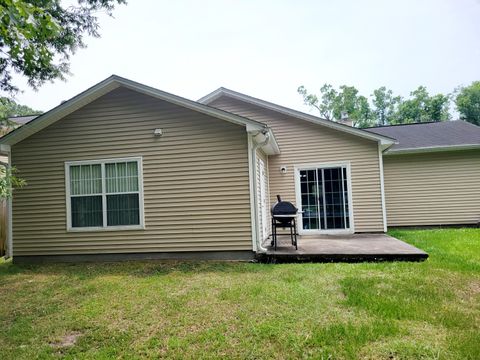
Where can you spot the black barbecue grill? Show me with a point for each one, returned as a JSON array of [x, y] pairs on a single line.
[[284, 215]]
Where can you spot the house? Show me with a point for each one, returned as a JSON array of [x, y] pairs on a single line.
[[124, 170]]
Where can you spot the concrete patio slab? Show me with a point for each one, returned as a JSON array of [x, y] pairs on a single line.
[[348, 248]]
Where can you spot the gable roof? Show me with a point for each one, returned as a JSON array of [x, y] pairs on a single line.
[[385, 140], [113, 82], [433, 136]]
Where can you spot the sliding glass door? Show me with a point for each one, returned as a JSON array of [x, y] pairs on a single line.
[[324, 198]]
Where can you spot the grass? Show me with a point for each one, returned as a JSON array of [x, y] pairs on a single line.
[[393, 310]]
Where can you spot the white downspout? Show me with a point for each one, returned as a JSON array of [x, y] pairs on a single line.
[[9, 252], [382, 185], [382, 188], [260, 248], [10, 218]]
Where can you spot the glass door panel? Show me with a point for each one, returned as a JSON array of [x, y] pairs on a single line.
[[324, 197]]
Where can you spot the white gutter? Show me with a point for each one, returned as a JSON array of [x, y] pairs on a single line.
[[253, 157], [429, 149], [10, 219]]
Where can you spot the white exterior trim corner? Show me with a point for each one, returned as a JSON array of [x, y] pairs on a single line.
[[251, 183], [382, 188], [9, 252]]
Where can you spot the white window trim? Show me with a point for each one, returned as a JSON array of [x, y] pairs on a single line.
[[141, 226], [298, 196]]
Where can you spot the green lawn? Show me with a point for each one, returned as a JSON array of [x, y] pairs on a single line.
[[240, 310]]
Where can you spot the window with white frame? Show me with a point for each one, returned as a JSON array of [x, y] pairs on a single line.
[[104, 194]]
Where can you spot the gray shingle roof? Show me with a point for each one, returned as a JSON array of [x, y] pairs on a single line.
[[431, 135], [22, 120]]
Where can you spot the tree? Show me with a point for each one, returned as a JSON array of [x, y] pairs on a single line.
[[355, 106], [365, 115], [438, 108], [384, 104], [333, 103], [9, 108], [386, 109], [468, 102], [37, 38], [325, 105], [9, 181], [421, 107]]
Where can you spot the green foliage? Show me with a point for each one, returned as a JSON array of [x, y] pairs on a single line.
[[468, 102], [421, 107], [38, 37], [187, 310], [9, 181], [385, 105], [9, 108], [384, 109], [333, 103], [325, 105]]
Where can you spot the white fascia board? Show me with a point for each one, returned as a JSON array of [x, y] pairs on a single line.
[[214, 95], [59, 112], [189, 104], [294, 113], [430, 149], [105, 87]]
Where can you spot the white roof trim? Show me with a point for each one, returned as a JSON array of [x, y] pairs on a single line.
[[429, 149], [110, 84], [207, 99]]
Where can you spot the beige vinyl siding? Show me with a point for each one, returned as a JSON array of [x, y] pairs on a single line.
[[302, 142], [432, 189], [196, 179]]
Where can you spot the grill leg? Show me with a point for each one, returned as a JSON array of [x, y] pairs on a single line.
[[295, 233], [291, 233], [275, 235], [272, 242], [275, 238]]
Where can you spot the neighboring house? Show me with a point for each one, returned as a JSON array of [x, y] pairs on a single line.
[[127, 169], [14, 122]]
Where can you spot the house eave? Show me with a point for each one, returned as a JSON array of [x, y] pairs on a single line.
[[108, 85], [271, 147], [209, 98]]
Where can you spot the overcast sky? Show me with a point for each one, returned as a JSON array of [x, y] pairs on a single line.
[[268, 48]]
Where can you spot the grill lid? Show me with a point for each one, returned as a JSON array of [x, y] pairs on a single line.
[[283, 207]]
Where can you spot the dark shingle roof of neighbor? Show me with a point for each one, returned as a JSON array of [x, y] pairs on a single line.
[[430, 135], [22, 120]]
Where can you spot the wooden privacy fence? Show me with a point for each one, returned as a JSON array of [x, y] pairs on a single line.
[[3, 227]]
